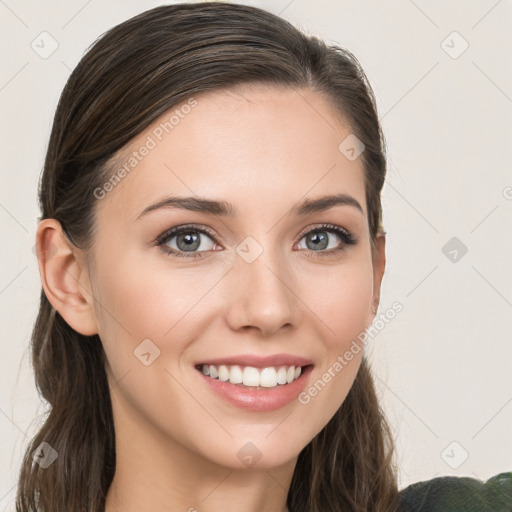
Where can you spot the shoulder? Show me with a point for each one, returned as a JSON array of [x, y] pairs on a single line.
[[459, 494]]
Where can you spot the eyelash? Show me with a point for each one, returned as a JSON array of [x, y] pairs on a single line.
[[346, 236]]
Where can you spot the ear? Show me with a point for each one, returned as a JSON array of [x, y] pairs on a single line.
[[379, 264], [65, 278]]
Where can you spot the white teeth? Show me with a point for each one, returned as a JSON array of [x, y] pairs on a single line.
[[269, 377], [235, 375], [213, 372], [223, 373], [281, 375], [251, 376]]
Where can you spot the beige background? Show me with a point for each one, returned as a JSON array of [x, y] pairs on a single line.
[[443, 365]]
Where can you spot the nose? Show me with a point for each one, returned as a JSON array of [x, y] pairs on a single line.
[[262, 295]]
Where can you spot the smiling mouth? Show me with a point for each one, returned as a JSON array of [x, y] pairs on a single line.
[[269, 377]]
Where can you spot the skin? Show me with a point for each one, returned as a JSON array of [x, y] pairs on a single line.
[[263, 150]]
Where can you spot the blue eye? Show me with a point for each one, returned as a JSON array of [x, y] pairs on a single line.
[[318, 239], [188, 239]]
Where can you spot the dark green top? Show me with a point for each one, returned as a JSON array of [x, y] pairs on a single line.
[[459, 494]]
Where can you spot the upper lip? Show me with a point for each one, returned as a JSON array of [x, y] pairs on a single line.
[[258, 361]]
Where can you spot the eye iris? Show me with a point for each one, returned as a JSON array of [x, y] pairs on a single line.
[[319, 239], [191, 240]]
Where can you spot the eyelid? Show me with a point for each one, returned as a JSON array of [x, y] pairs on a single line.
[[176, 230], [327, 227], [170, 233]]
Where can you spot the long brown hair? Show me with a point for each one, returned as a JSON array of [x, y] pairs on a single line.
[[131, 75]]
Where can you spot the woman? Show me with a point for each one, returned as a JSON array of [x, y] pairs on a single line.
[[211, 253]]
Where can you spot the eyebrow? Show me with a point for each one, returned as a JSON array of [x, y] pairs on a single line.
[[225, 209]]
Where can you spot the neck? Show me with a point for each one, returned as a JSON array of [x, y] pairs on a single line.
[[230, 492]]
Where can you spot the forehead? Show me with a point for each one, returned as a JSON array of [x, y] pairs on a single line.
[[253, 146]]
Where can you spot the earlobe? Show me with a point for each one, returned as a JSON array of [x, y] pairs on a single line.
[[65, 282]]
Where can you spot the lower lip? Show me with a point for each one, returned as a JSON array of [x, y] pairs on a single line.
[[259, 400]]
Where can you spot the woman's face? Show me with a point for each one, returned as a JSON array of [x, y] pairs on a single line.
[[257, 282]]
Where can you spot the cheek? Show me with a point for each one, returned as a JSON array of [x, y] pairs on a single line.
[[342, 305], [340, 299], [140, 302], [146, 298], [141, 298]]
